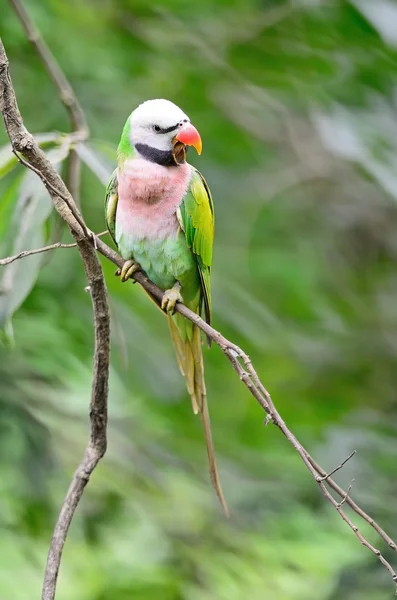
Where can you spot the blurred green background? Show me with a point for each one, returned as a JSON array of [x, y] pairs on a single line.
[[296, 102]]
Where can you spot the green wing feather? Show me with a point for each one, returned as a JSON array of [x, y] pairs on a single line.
[[196, 217], [111, 200]]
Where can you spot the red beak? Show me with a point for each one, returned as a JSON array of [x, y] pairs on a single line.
[[189, 136]]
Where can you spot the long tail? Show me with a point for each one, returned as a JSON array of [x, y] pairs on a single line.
[[190, 361]]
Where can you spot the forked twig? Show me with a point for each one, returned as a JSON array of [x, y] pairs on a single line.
[[338, 468]]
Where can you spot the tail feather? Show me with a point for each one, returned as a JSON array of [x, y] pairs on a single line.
[[190, 360], [185, 360]]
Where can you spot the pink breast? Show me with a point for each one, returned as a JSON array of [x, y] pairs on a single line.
[[149, 195]]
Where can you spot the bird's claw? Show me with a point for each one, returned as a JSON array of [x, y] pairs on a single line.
[[128, 269], [170, 298]]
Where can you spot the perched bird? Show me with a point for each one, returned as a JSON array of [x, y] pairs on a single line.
[[160, 214]]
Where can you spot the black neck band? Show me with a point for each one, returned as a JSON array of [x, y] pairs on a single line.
[[165, 158]]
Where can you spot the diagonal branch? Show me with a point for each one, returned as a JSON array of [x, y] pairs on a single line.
[[23, 142], [244, 368]]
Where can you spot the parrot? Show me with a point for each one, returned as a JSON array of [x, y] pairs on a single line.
[[160, 214]]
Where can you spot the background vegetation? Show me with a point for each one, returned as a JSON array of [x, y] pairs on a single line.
[[296, 103]]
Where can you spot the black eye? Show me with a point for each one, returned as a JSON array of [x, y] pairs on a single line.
[[157, 127]]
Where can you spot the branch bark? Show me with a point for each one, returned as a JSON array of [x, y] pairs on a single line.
[[23, 142]]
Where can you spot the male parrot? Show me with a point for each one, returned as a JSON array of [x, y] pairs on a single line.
[[160, 214]]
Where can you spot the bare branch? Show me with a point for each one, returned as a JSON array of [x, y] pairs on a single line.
[[24, 253], [338, 468], [22, 142], [63, 86], [251, 380], [359, 511]]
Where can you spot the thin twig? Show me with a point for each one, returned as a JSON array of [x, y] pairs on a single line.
[[345, 497], [65, 90], [24, 253], [338, 468], [23, 142], [359, 511]]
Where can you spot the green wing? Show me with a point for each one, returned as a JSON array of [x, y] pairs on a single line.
[[111, 200], [196, 217]]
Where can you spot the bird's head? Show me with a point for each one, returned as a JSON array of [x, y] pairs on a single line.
[[160, 131]]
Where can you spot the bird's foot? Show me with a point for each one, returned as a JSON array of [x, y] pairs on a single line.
[[128, 269], [171, 297]]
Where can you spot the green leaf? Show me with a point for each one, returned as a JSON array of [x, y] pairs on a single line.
[[27, 230], [7, 206], [8, 160], [32, 209]]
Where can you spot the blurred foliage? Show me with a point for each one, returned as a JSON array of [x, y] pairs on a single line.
[[296, 102]]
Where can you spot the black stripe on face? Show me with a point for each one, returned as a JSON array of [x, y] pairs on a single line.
[[165, 158], [158, 129]]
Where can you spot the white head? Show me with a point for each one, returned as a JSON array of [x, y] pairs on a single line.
[[160, 124]]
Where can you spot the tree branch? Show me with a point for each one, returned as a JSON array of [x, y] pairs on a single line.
[[243, 366], [339, 467], [359, 511], [25, 253], [23, 142], [65, 90]]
